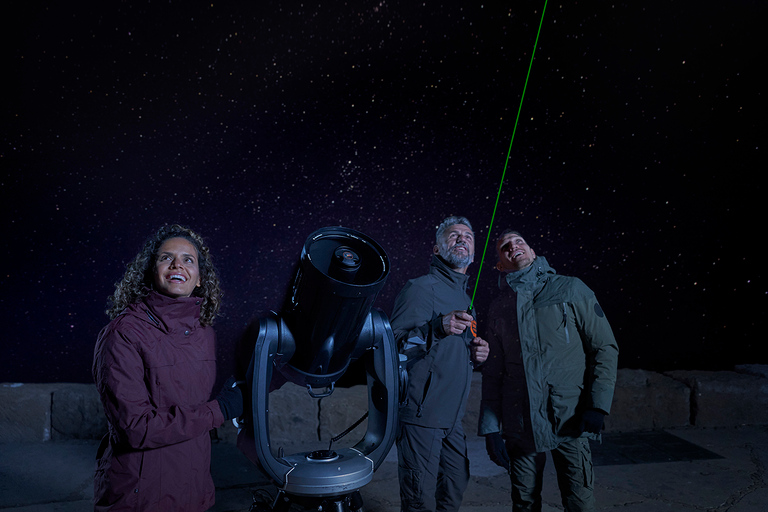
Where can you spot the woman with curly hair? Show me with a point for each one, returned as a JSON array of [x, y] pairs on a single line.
[[155, 367]]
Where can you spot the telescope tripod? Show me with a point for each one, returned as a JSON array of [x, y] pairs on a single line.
[[352, 502]]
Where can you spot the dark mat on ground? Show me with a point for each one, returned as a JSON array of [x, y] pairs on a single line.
[[645, 448]]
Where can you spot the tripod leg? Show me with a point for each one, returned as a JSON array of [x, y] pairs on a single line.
[[355, 502]]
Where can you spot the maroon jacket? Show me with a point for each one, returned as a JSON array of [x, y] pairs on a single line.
[[155, 367]]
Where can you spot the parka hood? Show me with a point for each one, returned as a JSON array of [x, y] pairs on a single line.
[[537, 272]]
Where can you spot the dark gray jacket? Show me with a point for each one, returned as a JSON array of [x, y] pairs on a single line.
[[439, 366], [552, 355]]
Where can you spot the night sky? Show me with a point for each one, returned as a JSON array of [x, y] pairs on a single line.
[[635, 165]]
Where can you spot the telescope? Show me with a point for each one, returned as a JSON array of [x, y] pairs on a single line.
[[327, 322]]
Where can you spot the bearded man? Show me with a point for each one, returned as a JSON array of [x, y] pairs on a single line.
[[435, 330]]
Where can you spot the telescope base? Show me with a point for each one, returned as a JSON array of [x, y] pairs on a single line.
[[352, 502]]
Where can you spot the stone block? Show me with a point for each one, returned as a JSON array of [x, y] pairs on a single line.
[[725, 399], [645, 400], [76, 412], [340, 411], [293, 415], [25, 412], [759, 370]]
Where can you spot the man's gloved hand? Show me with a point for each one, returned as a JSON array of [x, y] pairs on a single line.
[[230, 400], [592, 421], [494, 445]]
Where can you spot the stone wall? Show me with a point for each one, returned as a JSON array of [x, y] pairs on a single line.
[[44, 412], [643, 401]]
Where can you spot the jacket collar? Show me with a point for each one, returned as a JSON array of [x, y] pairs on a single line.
[[442, 271], [537, 272], [171, 314]]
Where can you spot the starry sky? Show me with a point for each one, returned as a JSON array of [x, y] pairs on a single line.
[[634, 164]]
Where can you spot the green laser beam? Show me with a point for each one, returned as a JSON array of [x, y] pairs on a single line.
[[509, 152]]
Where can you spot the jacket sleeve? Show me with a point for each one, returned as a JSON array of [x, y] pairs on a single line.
[[602, 353], [414, 322], [120, 379], [492, 387]]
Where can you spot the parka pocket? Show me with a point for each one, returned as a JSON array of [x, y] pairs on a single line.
[[557, 332], [563, 402]]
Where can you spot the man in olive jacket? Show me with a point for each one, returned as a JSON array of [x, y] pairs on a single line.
[[436, 333], [549, 379]]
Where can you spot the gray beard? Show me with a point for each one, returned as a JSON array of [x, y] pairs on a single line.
[[453, 259]]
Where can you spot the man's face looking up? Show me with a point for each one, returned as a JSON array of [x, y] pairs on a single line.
[[514, 253], [457, 246]]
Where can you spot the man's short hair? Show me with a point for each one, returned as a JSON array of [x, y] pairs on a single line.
[[448, 222], [509, 232]]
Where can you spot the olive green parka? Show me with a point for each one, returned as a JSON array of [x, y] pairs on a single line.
[[552, 356]]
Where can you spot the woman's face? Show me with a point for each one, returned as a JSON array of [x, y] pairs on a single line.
[[176, 268]]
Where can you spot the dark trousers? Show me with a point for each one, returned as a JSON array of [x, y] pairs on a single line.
[[575, 476], [433, 467]]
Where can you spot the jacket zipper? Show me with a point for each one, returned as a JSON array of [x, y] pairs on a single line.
[[156, 322], [427, 384], [565, 323]]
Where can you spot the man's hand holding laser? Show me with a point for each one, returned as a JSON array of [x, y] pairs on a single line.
[[456, 322]]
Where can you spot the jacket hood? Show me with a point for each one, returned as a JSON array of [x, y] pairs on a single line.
[[537, 272]]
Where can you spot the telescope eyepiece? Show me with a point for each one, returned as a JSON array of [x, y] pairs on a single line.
[[344, 264]]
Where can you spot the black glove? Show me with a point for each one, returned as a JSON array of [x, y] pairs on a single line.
[[230, 400], [494, 445], [592, 421]]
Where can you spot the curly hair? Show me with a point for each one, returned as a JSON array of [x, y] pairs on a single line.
[[139, 275]]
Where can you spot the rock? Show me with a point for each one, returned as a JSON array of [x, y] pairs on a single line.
[[25, 412], [758, 370], [646, 400], [293, 415], [725, 399], [76, 413], [643, 400], [340, 411]]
